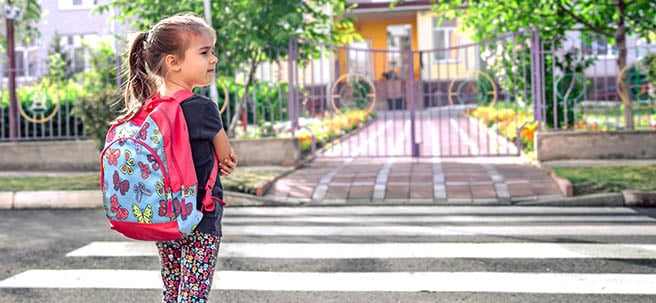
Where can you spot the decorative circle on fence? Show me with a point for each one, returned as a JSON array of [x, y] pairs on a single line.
[[477, 86], [353, 91], [42, 108], [632, 85], [570, 83], [226, 97]]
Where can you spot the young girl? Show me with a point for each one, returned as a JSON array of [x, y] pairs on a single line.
[[177, 54]]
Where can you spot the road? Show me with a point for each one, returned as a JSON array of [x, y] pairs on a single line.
[[350, 254]]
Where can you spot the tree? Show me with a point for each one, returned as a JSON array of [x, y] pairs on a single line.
[[250, 32], [612, 19], [59, 63], [25, 28], [27, 12]]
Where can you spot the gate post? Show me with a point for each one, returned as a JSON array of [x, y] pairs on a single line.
[[291, 97], [537, 84], [411, 97]]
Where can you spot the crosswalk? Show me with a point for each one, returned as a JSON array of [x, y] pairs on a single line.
[[399, 249]]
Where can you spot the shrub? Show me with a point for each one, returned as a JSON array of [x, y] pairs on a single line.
[[97, 110]]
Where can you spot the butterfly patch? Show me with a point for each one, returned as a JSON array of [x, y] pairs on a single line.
[[188, 191], [180, 208], [112, 155], [121, 185], [163, 210], [145, 170], [143, 215], [121, 212], [159, 185], [153, 162], [143, 132], [155, 136], [127, 167], [141, 189]]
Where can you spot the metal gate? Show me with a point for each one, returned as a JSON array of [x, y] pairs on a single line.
[[430, 103]]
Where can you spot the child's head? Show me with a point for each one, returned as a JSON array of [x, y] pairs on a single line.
[[147, 53]]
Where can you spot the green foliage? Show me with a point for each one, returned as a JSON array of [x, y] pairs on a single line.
[[267, 100], [588, 180], [26, 29], [97, 110], [104, 68], [45, 99], [613, 20], [249, 29], [251, 32], [648, 67], [59, 64]]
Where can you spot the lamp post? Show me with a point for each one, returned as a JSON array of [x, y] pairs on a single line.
[[207, 7], [12, 13]]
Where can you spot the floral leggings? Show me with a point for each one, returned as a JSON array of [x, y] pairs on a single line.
[[188, 267]]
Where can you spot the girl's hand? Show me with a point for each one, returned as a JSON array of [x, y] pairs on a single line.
[[228, 165]]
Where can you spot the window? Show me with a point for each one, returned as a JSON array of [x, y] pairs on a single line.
[[76, 4], [445, 38], [26, 64], [76, 51], [599, 46], [399, 44], [359, 58]]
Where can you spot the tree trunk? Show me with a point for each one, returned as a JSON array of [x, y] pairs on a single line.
[[240, 106], [620, 41]]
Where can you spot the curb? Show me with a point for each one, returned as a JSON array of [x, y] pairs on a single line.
[[565, 186], [596, 200], [92, 199], [50, 199], [639, 198]]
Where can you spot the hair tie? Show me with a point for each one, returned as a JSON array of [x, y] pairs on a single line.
[[145, 37]]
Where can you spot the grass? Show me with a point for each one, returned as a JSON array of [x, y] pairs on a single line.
[[585, 180], [244, 179], [607, 179]]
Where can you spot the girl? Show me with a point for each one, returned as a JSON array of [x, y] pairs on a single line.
[[177, 54]]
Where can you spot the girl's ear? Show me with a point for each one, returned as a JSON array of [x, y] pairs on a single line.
[[172, 63]]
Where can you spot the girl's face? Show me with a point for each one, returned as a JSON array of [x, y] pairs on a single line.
[[198, 66]]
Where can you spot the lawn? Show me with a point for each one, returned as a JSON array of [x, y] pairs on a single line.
[[245, 180], [607, 179]]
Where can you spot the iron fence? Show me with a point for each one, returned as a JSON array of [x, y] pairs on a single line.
[[568, 84]]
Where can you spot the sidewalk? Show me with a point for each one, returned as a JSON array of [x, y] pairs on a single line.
[[381, 181]]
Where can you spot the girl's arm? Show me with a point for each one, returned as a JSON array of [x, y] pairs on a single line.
[[227, 158]]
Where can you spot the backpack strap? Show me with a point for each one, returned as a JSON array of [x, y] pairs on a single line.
[[208, 201]]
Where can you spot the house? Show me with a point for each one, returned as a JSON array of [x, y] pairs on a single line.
[[407, 42], [76, 24]]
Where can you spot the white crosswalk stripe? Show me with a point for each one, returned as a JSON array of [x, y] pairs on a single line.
[[398, 234], [390, 250]]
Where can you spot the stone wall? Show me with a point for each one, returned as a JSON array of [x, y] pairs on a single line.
[[552, 146], [83, 155]]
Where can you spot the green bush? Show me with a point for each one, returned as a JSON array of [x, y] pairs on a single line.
[[97, 110]]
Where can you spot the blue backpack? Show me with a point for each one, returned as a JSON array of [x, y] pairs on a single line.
[[148, 180]]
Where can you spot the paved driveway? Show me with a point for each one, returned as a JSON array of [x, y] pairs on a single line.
[[372, 165]]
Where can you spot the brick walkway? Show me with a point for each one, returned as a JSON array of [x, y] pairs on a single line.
[[406, 180]]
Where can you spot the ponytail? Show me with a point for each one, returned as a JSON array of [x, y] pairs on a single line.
[[140, 85]]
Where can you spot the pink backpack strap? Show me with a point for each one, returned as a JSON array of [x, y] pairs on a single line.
[[208, 201]]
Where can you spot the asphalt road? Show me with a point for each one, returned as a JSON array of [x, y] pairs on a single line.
[[350, 254]]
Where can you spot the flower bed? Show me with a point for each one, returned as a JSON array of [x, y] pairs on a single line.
[[506, 122], [324, 127]]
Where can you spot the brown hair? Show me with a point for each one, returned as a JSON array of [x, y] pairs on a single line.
[[145, 66]]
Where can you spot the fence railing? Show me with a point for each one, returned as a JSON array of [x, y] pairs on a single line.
[[580, 87], [585, 89]]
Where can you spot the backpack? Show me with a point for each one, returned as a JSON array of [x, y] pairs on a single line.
[[148, 179]]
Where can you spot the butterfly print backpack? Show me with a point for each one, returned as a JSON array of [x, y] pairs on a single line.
[[147, 174]]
